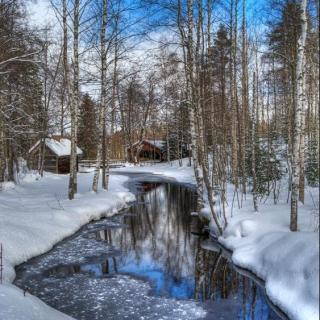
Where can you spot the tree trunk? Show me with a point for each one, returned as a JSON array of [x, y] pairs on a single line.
[[2, 150], [66, 80], [103, 98], [192, 107], [244, 97], [233, 92], [253, 143], [302, 142], [74, 104], [299, 114]]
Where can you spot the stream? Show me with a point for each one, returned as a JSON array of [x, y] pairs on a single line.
[[147, 262]]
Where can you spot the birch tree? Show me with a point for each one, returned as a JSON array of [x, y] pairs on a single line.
[[189, 67], [233, 90], [194, 64], [253, 142], [299, 114], [66, 72], [244, 85], [75, 102], [103, 101]]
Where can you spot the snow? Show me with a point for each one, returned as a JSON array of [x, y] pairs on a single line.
[[34, 216], [17, 306], [158, 143], [288, 262], [183, 174], [7, 186], [60, 147], [261, 242]]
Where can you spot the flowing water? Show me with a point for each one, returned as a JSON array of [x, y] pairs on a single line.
[[144, 263]]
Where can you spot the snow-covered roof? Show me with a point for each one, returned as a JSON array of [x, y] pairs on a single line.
[[61, 147], [157, 143]]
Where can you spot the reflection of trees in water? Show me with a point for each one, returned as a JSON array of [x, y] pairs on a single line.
[[109, 265], [159, 228], [216, 279], [64, 270], [106, 266]]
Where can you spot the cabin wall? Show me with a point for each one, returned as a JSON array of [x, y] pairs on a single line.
[[64, 165], [50, 160], [52, 163], [148, 152]]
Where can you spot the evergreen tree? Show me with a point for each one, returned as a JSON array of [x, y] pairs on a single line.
[[87, 132], [312, 163]]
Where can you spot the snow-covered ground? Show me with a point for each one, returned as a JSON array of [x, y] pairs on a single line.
[[287, 261], [34, 216], [182, 174], [261, 242]]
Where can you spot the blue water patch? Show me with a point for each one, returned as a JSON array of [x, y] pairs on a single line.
[[163, 284]]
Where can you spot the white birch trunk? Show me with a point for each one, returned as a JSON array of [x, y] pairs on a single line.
[[244, 97], [192, 107], [233, 92], [2, 150], [75, 103], [298, 130], [103, 107]]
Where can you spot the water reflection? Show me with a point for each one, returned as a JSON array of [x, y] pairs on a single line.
[[158, 245], [106, 268], [153, 240], [222, 287]]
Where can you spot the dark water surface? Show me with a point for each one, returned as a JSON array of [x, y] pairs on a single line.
[[144, 263]]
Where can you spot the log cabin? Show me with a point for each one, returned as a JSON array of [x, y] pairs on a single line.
[[56, 155], [149, 150]]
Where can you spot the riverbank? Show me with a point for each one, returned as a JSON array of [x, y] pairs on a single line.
[[34, 216], [37, 214], [287, 261], [261, 242]]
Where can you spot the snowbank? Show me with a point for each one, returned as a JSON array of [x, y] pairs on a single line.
[[36, 215], [287, 261], [17, 306]]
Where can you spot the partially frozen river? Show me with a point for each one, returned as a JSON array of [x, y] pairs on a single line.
[[144, 263]]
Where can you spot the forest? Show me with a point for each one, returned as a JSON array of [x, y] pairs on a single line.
[[240, 88], [226, 91]]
